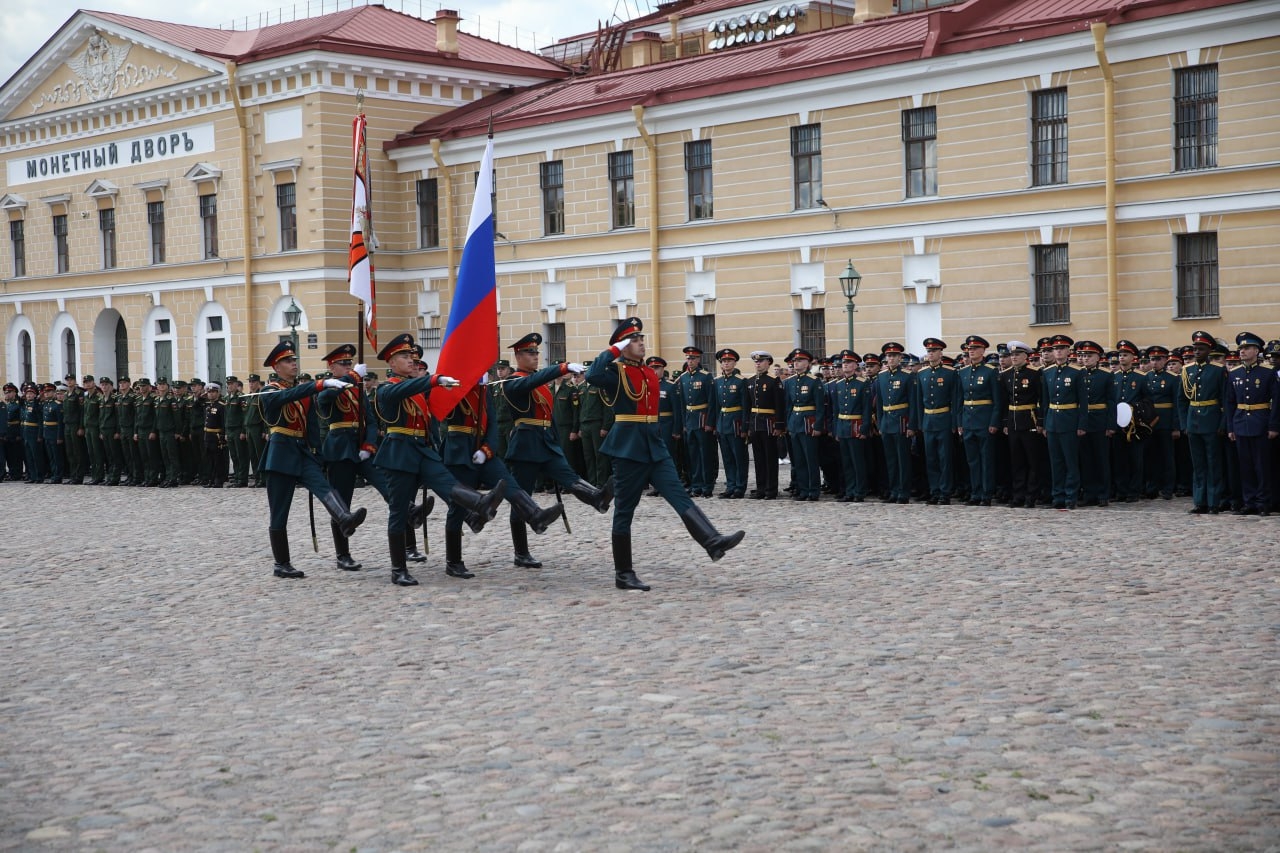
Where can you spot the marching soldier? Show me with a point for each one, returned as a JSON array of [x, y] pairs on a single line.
[[1129, 387], [765, 423], [408, 456], [979, 419], [1020, 415], [289, 461], [696, 391], [1063, 414], [215, 435], [1200, 416], [1100, 425], [805, 398], [936, 403], [532, 449], [729, 405], [639, 453], [73, 430], [850, 415], [1252, 416], [892, 395]]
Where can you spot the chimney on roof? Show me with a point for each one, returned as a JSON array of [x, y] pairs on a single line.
[[447, 31], [869, 10], [645, 49]]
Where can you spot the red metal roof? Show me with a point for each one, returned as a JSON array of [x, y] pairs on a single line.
[[363, 30], [975, 25]]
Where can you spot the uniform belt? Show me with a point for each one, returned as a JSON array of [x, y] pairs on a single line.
[[803, 408], [469, 430], [636, 419], [660, 414], [213, 429], [941, 411], [295, 433], [538, 422], [978, 402], [1204, 402], [1163, 405], [756, 411], [699, 407], [30, 423], [1062, 407], [55, 423], [1244, 407], [1023, 408], [728, 409], [344, 425], [416, 433], [850, 417], [897, 407], [1097, 407]]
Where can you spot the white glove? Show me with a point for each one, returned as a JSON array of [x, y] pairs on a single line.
[[362, 370], [335, 383], [574, 367], [364, 455], [446, 381], [478, 457]]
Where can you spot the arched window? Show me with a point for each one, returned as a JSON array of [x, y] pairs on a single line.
[[26, 370], [69, 352]]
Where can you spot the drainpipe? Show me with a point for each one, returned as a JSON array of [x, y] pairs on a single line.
[[1109, 134], [446, 180], [246, 221], [651, 145]]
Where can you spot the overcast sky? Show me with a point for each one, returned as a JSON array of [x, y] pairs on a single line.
[[25, 25]]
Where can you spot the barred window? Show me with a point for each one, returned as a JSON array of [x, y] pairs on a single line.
[[697, 165], [555, 342], [919, 139], [813, 329], [704, 333], [806, 160], [1195, 117], [1197, 275], [432, 338], [1049, 137], [1051, 283], [107, 227], [287, 204], [428, 213], [551, 180], [155, 220], [209, 224], [61, 252], [622, 189], [17, 236]]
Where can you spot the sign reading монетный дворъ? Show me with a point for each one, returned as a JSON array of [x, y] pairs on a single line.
[[96, 157]]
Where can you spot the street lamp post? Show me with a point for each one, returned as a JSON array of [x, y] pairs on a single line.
[[293, 316], [849, 282]]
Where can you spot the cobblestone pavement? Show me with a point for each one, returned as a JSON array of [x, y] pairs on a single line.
[[853, 677]]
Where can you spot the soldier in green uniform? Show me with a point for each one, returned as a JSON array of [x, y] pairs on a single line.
[[849, 400], [639, 452], [195, 432], [806, 413], [96, 467], [145, 431], [109, 430], [937, 402], [51, 433], [729, 413], [1200, 415], [1161, 389], [167, 410], [237, 445], [182, 430], [1127, 450], [1063, 417], [32, 443], [594, 420], [979, 419], [73, 427], [696, 393], [255, 430], [564, 417], [215, 436], [130, 451], [1100, 425], [892, 397]]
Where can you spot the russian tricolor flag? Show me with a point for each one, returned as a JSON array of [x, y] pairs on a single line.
[[471, 339]]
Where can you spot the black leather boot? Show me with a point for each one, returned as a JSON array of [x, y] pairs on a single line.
[[411, 551], [399, 573], [481, 506], [705, 534], [599, 498], [520, 542], [535, 516], [624, 576], [343, 550], [417, 512], [280, 552], [346, 519], [453, 565]]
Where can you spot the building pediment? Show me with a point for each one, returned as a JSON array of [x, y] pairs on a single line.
[[90, 61], [12, 201]]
